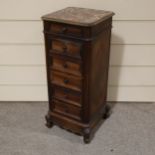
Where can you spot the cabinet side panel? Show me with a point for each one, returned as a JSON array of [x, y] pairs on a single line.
[[99, 71]]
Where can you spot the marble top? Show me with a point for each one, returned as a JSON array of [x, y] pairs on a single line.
[[78, 16]]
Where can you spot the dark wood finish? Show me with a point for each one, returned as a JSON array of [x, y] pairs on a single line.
[[66, 109], [66, 66], [65, 29], [66, 80], [77, 58], [66, 47], [67, 95]]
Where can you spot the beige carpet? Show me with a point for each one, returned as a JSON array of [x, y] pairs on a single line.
[[129, 131]]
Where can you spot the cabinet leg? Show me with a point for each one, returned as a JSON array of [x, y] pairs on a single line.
[[87, 136], [49, 122], [107, 111]]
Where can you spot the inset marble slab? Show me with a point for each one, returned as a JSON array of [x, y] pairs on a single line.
[[78, 16]]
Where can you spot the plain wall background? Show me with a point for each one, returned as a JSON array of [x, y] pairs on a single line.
[[22, 60]]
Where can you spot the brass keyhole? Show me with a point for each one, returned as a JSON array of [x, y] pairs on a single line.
[[66, 110], [64, 30], [66, 96], [66, 81], [65, 49], [65, 65]]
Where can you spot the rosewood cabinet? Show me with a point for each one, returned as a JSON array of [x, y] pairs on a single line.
[[77, 43]]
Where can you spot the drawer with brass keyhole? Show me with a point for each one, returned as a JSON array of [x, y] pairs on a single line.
[[66, 66], [61, 29], [65, 80], [66, 47], [67, 95], [66, 109]]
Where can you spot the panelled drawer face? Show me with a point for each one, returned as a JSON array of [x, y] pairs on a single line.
[[65, 30], [66, 47], [65, 80], [66, 109], [67, 95], [66, 66]]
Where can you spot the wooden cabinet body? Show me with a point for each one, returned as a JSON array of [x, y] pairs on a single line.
[[77, 58]]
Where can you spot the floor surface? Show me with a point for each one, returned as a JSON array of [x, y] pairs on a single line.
[[129, 131]]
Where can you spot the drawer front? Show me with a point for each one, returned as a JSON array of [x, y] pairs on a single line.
[[65, 30], [66, 47], [67, 95], [66, 66], [65, 80], [66, 109]]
